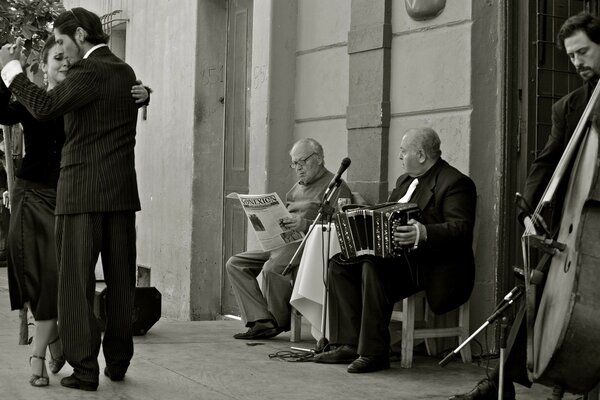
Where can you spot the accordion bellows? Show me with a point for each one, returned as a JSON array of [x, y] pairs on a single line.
[[370, 230]]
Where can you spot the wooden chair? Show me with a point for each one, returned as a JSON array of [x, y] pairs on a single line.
[[296, 326], [410, 332]]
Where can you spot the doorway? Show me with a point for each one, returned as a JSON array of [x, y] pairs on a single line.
[[236, 137]]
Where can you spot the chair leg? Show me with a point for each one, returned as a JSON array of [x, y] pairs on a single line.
[[296, 326], [408, 330], [430, 343], [463, 323]]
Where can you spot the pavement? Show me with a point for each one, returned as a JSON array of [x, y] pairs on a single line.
[[180, 360]]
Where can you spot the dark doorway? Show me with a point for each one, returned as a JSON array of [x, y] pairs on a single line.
[[538, 74]]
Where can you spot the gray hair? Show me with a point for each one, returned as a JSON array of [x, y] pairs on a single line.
[[313, 144]]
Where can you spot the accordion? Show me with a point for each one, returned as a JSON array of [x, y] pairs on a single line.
[[370, 230]]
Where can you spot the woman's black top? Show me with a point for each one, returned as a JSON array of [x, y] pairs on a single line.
[[43, 141]]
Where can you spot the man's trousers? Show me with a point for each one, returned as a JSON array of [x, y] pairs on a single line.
[[361, 301], [243, 269], [80, 239]]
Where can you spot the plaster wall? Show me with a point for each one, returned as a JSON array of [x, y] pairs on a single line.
[[272, 98], [272, 94], [488, 141], [321, 80], [446, 74], [322, 23], [430, 83], [164, 149]]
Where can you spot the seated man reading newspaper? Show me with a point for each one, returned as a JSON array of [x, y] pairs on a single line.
[[266, 315]]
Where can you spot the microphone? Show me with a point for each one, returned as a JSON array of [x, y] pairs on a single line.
[[337, 179]]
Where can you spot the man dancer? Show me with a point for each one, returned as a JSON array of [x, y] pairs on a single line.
[[97, 194]]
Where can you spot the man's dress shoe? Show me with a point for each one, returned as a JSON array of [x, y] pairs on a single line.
[[256, 332], [114, 376], [75, 383], [343, 354], [486, 389], [369, 364]]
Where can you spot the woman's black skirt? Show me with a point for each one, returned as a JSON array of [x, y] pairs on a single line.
[[32, 264]]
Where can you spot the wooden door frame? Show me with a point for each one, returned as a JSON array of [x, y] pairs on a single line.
[[226, 87]]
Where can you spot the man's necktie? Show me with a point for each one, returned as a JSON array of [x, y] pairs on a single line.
[[409, 192]]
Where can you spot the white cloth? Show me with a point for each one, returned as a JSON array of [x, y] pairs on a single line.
[[409, 192], [90, 51], [10, 70], [308, 293]]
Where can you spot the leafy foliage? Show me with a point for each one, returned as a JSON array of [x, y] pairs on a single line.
[[30, 20]]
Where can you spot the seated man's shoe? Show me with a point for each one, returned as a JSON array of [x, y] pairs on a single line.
[[259, 331], [342, 354], [369, 364], [114, 376], [486, 389], [75, 383]]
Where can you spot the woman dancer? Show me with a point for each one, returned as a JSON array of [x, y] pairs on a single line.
[[33, 273]]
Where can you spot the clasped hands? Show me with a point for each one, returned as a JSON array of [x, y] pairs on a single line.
[[12, 51], [407, 235]]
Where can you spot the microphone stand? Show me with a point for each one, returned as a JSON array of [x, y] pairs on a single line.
[[503, 340], [508, 300], [325, 209]]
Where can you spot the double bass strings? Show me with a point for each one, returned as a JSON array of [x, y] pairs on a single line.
[[571, 149]]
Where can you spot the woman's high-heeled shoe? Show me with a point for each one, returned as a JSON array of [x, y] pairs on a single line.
[[39, 380], [56, 363]]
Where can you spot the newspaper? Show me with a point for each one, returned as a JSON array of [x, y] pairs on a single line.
[[265, 212]]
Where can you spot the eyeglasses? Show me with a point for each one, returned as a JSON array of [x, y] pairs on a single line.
[[301, 162]]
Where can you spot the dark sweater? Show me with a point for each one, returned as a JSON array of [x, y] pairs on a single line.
[[306, 199]]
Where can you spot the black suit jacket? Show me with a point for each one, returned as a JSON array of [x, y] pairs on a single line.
[[566, 113], [447, 199], [98, 164]]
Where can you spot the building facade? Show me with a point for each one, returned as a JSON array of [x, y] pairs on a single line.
[[237, 82]]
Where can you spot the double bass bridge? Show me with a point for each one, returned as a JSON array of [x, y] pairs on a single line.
[[547, 245]]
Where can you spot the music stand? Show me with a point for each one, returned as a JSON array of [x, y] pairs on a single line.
[[325, 210]]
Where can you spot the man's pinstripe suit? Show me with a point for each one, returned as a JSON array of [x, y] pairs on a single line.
[[97, 198]]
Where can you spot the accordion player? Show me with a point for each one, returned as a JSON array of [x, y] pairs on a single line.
[[370, 230]]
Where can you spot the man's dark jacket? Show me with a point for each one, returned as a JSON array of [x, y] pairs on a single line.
[[98, 162], [445, 261], [566, 113]]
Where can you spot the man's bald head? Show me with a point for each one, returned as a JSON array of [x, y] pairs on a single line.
[[419, 150], [426, 139]]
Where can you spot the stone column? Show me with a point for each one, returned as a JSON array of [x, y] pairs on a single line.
[[272, 98], [368, 113]]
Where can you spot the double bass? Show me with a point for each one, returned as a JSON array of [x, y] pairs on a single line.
[[564, 326]]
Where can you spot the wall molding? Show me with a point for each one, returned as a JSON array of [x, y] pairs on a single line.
[[433, 111], [321, 48], [321, 118], [433, 27]]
